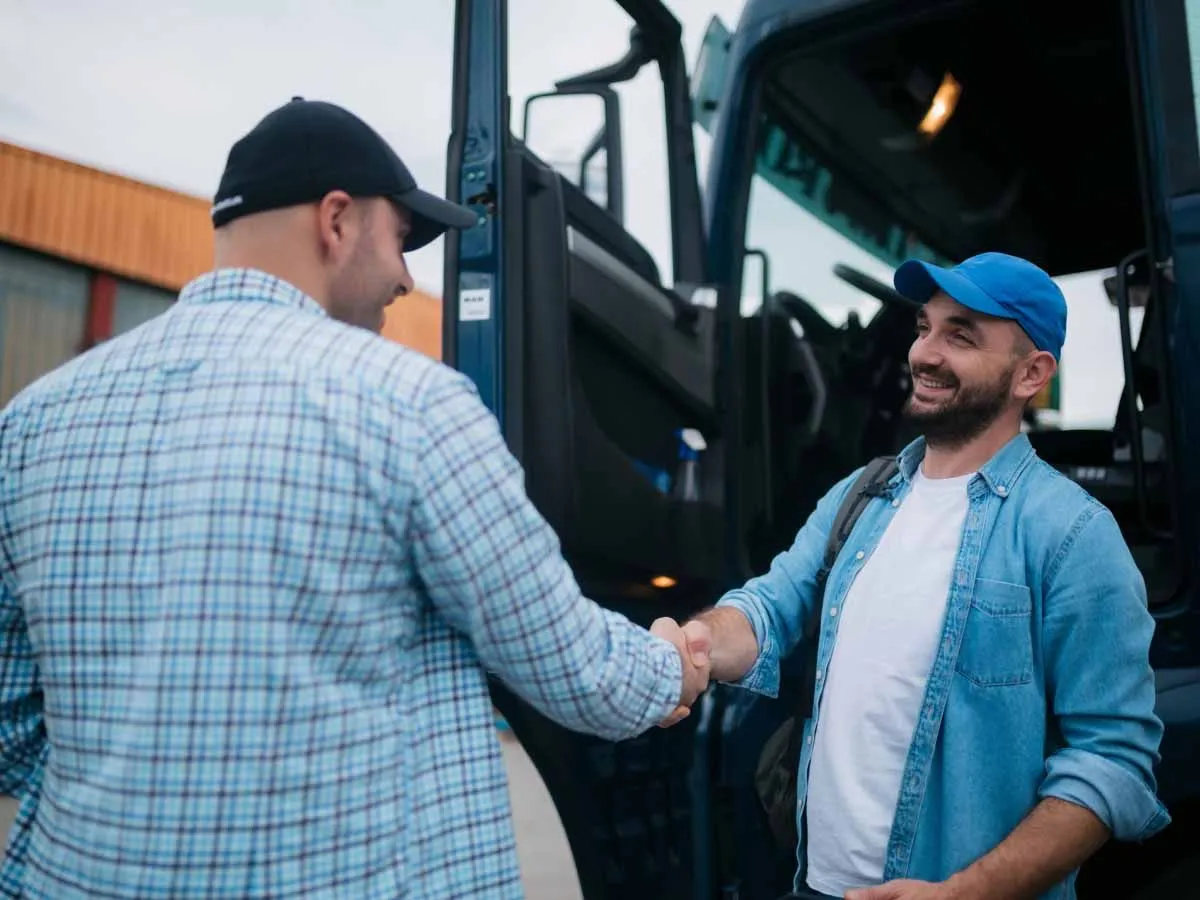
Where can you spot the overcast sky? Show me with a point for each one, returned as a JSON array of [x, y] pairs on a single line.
[[159, 93]]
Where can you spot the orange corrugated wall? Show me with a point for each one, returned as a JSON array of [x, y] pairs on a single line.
[[416, 321], [141, 232], [101, 220]]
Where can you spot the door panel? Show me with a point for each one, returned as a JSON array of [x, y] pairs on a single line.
[[592, 367]]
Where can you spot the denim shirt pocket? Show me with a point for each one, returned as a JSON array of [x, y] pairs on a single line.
[[997, 647]]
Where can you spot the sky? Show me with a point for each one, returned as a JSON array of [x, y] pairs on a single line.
[[160, 92]]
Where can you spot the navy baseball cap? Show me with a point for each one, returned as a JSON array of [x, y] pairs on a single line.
[[301, 151], [995, 284]]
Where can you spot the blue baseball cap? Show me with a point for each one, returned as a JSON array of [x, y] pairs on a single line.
[[995, 284]]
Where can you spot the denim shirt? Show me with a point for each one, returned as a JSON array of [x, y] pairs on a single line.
[[1041, 685]]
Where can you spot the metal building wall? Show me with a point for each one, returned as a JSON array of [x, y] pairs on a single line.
[[102, 221]]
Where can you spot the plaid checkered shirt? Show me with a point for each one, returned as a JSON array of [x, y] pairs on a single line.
[[256, 564]]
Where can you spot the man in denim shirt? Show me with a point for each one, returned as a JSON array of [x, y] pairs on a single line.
[[984, 704]]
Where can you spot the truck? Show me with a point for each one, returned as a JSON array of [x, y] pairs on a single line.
[[936, 129]]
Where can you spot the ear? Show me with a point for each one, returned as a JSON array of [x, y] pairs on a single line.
[[337, 226], [1033, 374]]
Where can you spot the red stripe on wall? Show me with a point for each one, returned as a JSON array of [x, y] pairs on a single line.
[[102, 298]]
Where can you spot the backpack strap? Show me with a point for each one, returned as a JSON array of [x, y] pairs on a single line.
[[871, 482]]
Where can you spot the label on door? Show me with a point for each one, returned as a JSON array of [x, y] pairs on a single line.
[[475, 305]]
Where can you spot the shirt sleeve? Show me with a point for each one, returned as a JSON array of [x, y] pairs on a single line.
[[22, 732], [779, 602], [494, 569], [23, 745], [22, 729], [1100, 683]]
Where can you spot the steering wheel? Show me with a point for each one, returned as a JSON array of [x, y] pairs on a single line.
[[816, 327], [873, 287]]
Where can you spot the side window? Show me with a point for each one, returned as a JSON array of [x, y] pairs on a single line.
[[1174, 61], [568, 131], [801, 252], [1192, 32]]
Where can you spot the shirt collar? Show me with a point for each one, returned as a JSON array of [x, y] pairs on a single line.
[[244, 285], [999, 473]]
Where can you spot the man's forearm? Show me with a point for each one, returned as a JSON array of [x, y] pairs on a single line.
[[734, 647], [1052, 841]]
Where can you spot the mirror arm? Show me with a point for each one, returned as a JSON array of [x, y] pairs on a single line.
[[624, 69]]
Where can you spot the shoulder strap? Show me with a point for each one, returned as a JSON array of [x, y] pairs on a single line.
[[871, 482]]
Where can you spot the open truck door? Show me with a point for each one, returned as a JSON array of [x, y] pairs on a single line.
[[602, 379]]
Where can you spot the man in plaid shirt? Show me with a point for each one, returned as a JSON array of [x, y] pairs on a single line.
[[257, 560]]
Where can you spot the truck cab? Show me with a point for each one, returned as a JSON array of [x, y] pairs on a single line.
[[677, 427]]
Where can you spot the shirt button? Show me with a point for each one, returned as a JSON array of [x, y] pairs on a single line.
[[859, 555], [833, 610], [1001, 490], [809, 739], [896, 502], [819, 674]]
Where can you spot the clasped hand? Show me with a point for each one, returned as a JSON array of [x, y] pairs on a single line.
[[694, 643]]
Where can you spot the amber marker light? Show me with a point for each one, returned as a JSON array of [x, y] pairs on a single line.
[[942, 107]]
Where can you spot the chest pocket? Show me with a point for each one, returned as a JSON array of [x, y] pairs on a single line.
[[997, 647]]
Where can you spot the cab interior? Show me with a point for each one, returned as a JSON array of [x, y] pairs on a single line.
[[1039, 157]]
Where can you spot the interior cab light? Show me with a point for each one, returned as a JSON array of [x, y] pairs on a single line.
[[942, 107], [663, 581]]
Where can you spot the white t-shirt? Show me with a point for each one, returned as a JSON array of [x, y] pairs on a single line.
[[891, 622]]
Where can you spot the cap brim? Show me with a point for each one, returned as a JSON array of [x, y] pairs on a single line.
[[431, 217], [918, 280]]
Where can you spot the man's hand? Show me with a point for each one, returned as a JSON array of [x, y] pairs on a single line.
[[905, 889], [694, 643]]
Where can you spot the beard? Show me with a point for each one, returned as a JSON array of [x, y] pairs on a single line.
[[964, 415], [360, 292]]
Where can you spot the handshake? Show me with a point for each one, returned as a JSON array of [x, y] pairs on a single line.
[[694, 642]]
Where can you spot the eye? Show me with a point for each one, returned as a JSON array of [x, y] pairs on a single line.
[[964, 339]]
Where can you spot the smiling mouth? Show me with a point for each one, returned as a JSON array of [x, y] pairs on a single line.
[[927, 384]]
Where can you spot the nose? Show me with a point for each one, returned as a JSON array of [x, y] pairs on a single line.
[[924, 353], [405, 282]]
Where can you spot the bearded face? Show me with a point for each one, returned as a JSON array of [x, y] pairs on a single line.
[[965, 372], [951, 412]]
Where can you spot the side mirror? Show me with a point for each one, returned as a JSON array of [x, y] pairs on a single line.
[[577, 131], [708, 79]]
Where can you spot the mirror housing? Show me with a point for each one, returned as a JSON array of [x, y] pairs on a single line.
[[605, 139], [710, 73]]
